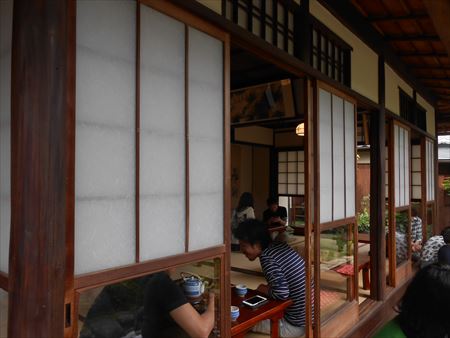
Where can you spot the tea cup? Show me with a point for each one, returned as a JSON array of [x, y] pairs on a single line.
[[234, 313]]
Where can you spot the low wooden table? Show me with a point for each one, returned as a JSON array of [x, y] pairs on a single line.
[[273, 310]]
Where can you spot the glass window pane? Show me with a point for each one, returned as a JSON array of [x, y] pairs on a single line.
[[402, 236], [123, 309], [105, 130], [3, 313], [6, 8], [336, 269], [205, 140]]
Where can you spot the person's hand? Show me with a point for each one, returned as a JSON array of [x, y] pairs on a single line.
[[416, 246], [263, 288]]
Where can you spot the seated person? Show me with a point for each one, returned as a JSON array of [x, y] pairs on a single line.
[[168, 314], [243, 211], [274, 215], [432, 246], [423, 310], [284, 271]]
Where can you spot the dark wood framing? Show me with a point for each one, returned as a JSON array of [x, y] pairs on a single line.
[[335, 321], [377, 192], [350, 16], [42, 129], [423, 188]]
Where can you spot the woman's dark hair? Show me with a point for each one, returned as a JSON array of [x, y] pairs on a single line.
[[245, 201], [253, 232], [424, 308], [445, 233], [272, 200]]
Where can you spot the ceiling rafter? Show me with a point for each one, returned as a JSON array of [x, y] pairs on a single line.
[[388, 18], [423, 54], [418, 37]]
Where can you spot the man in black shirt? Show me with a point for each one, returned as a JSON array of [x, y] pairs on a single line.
[[274, 215], [167, 312]]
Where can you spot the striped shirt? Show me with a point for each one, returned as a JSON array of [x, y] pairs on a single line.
[[284, 270]]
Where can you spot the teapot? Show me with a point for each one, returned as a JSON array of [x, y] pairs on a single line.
[[193, 285]]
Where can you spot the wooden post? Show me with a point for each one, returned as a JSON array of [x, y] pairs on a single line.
[[42, 147], [377, 191]]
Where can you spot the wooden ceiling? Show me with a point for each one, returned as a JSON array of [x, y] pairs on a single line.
[[419, 33]]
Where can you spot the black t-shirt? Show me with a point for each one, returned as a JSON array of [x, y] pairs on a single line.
[[280, 212], [162, 296]]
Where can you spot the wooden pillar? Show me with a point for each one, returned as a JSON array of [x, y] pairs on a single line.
[[42, 147], [377, 191]]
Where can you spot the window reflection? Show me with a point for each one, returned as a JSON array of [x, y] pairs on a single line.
[[336, 269], [144, 305], [3, 313], [402, 236], [430, 220]]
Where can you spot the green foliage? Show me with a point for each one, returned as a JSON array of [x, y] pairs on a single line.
[[446, 185], [401, 221], [364, 221], [363, 217]]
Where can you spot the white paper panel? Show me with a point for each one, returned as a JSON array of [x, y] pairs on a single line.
[[301, 167], [416, 179], [325, 157], [292, 156], [282, 167], [282, 156], [301, 189], [104, 159], [104, 234], [292, 189], [162, 149], [401, 167], [407, 169], [206, 174], [282, 178], [242, 18], [5, 130], [300, 155], [338, 159], [301, 178], [416, 192], [415, 151], [415, 164], [350, 189], [397, 165], [292, 167], [292, 178], [282, 189]]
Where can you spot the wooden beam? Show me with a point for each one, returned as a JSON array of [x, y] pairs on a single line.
[[358, 24], [439, 11], [431, 78], [393, 38], [389, 18], [422, 54], [42, 130], [377, 191]]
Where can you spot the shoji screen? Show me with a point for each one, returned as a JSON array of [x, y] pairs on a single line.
[[5, 130], [182, 123], [401, 166], [206, 119], [291, 173], [336, 132], [416, 183], [429, 157], [162, 148], [105, 113]]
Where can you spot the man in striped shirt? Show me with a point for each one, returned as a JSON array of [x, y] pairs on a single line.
[[284, 271]]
